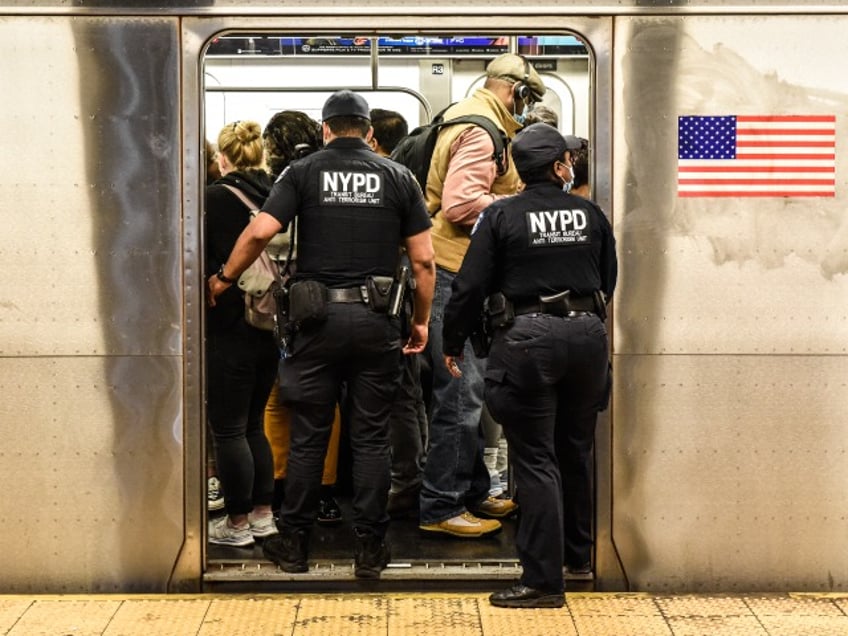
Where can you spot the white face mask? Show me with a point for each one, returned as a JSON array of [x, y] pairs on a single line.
[[567, 185]]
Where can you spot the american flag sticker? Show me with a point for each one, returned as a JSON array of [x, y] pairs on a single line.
[[756, 156]]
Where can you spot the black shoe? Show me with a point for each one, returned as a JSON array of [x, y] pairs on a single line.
[[371, 555], [288, 549], [329, 513], [522, 596]]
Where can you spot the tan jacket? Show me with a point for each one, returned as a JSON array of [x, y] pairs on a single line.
[[452, 225]]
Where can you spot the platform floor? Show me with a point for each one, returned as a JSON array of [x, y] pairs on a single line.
[[586, 614]]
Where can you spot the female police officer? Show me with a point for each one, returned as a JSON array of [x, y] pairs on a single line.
[[546, 260]]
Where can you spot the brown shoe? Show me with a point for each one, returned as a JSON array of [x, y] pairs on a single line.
[[466, 526], [495, 508]]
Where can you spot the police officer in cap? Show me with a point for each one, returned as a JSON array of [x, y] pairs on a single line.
[[354, 210], [544, 263]]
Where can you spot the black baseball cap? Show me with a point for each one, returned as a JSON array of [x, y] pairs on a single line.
[[345, 103], [540, 145]]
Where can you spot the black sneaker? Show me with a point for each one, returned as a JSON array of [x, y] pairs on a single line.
[[288, 549], [371, 555]]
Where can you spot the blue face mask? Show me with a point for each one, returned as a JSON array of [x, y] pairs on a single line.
[[522, 116]]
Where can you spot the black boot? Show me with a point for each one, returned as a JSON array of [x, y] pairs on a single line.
[[288, 549], [329, 513], [371, 555]]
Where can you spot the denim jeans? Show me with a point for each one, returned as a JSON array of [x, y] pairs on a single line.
[[455, 477]]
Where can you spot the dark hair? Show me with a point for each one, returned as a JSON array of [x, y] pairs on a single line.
[[580, 164], [389, 128], [345, 126], [290, 135]]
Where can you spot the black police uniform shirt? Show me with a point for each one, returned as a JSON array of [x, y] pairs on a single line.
[[542, 241], [353, 208]]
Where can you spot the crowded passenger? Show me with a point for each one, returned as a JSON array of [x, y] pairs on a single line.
[[241, 359], [541, 114], [389, 128], [463, 180], [580, 185], [210, 153], [408, 420]]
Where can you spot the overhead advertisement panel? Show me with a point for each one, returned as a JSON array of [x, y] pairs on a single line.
[[246, 44]]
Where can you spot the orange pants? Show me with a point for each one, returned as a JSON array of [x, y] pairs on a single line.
[[278, 432]]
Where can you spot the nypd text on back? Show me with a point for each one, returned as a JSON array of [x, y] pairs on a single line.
[[340, 187], [557, 227]]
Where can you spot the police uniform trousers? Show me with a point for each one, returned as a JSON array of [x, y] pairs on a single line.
[[361, 349], [547, 377]]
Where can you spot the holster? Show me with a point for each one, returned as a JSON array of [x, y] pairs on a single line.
[[307, 304], [407, 308], [281, 321], [500, 311], [378, 290], [398, 292]]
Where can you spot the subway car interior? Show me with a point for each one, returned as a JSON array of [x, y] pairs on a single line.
[[255, 75]]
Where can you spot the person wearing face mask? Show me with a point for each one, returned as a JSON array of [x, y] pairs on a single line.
[[545, 262], [580, 167], [463, 179], [572, 145]]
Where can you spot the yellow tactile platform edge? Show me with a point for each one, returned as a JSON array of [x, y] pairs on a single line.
[[395, 614]]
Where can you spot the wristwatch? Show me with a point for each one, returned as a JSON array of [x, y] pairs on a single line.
[[224, 279]]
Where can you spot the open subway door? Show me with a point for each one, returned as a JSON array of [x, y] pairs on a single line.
[[254, 75]]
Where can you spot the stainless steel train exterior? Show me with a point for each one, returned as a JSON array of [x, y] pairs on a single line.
[[722, 463]]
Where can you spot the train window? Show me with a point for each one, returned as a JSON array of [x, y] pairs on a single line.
[[252, 76]]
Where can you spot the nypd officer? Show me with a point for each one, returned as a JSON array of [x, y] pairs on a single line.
[[544, 263], [354, 210]]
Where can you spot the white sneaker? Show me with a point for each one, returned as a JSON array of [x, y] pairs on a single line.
[[261, 527], [214, 496], [222, 533]]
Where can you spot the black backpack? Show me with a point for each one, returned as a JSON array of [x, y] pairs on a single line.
[[416, 149]]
